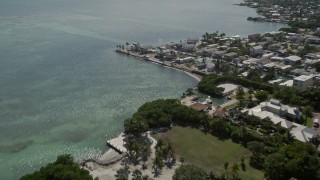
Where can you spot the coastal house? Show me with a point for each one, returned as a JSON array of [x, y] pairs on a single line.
[[206, 52], [254, 37], [188, 48], [228, 88], [220, 112], [145, 49], [201, 65], [184, 60], [256, 51], [192, 40], [278, 113], [199, 107]]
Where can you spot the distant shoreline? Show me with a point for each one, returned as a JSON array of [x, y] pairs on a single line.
[[190, 73]]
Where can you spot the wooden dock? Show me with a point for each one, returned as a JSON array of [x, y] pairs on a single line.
[[118, 143]]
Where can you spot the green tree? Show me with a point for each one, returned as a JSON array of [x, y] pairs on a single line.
[[63, 168], [185, 172], [137, 175], [157, 164], [235, 171], [317, 66], [262, 96], [135, 126], [240, 96], [275, 167]]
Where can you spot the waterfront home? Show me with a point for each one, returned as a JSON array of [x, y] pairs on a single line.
[[254, 37], [206, 52], [220, 112], [199, 107], [278, 113], [188, 47], [256, 51], [192, 40], [228, 88], [184, 60], [145, 49]]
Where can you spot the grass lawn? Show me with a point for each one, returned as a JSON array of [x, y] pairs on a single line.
[[309, 122], [232, 105], [207, 151]]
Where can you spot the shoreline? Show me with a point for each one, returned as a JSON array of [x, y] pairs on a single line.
[[153, 60], [108, 171]]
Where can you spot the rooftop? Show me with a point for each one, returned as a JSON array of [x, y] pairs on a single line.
[[303, 78]]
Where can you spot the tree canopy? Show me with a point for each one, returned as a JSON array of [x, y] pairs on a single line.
[[64, 168], [188, 172]]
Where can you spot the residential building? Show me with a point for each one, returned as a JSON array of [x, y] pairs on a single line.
[[278, 113], [192, 40], [292, 60], [303, 82], [254, 37], [256, 50]]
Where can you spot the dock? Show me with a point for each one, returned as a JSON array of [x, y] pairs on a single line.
[[118, 144]]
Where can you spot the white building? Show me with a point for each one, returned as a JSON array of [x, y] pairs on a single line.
[[303, 82], [256, 51], [292, 60], [273, 110]]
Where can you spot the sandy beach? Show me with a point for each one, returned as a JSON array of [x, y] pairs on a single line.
[[108, 172]]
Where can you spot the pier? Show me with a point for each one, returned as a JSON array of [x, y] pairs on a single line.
[[118, 144]]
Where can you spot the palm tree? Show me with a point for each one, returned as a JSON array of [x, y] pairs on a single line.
[[170, 151], [157, 164], [127, 45], [307, 111], [137, 175], [160, 143], [226, 169], [235, 169]]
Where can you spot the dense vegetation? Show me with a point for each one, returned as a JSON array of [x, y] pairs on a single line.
[[189, 172], [266, 140], [287, 95], [161, 113], [312, 23], [208, 84], [63, 168]]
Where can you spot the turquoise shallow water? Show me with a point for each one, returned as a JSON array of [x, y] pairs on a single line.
[[63, 88]]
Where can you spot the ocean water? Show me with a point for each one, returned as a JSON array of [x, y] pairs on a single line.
[[62, 86]]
